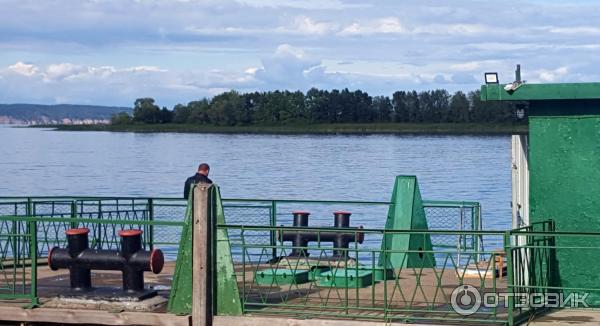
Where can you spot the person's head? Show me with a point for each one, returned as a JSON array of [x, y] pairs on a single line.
[[203, 169]]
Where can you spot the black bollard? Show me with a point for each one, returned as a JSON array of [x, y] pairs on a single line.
[[341, 219], [300, 220], [340, 240], [77, 242], [131, 260]]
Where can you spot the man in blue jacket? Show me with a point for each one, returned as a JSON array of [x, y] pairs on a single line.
[[200, 177]]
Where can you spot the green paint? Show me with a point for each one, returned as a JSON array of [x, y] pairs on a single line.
[[406, 213], [180, 298], [227, 298], [225, 283], [564, 162], [564, 175], [281, 276], [345, 278], [539, 92]]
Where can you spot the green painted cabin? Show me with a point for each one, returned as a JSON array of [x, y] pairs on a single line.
[[561, 156]]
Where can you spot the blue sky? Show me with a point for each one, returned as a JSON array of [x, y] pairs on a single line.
[[113, 51]]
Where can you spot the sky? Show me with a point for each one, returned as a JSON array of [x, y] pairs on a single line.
[[110, 52]]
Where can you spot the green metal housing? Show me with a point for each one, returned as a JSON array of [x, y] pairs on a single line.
[[281, 276], [564, 167], [346, 278]]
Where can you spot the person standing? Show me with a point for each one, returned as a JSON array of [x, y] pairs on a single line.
[[200, 177]]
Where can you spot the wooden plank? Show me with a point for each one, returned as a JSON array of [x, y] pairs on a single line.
[[200, 255], [260, 321], [75, 316]]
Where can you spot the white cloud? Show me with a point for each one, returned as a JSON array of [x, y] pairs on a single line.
[[549, 76], [145, 69], [289, 66], [306, 25], [24, 69], [305, 4], [387, 25], [451, 29], [576, 30], [63, 70]]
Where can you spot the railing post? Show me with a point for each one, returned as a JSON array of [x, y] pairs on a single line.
[[479, 226], [73, 213], [510, 282], [98, 235], [460, 236], [30, 211], [201, 256], [29, 208], [151, 226], [273, 222], [33, 255]]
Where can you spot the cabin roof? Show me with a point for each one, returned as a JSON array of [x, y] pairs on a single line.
[[541, 92]]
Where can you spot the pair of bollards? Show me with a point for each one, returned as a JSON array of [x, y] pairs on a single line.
[[131, 260], [340, 239]]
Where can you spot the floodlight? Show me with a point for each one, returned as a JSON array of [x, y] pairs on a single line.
[[491, 78]]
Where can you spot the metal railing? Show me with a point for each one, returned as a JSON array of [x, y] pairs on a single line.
[[31, 226], [441, 215], [406, 293], [551, 269], [21, 244]]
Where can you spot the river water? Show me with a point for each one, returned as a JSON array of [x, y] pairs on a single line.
[[338, 167]]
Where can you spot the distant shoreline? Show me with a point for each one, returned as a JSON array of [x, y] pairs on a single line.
[[350, 128]]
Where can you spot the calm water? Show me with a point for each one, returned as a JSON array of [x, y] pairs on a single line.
[[43, 162]]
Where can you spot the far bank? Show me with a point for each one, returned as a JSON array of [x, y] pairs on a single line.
[[354, 128]]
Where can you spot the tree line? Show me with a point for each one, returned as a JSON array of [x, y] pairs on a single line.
[[325, 107]]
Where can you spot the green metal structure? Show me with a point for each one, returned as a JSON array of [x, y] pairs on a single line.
[[224, 282], [564, 169], [406, 213]]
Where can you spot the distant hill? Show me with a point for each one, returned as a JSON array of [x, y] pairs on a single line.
[[57, 114]]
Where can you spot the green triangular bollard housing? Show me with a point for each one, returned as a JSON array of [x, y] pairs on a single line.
[[226, 297], [406, 213]]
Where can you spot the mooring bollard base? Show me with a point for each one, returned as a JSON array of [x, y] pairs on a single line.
[[109, 294]]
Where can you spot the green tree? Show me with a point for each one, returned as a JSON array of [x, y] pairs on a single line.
[[459, 107], [225, 108], [146, 111], [199, 112], [165, 116], [400, 106], [383, 108], [181, 113]]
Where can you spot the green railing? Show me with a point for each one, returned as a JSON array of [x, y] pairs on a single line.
[[409, 293], [20, 244], [18, 259], [449, 215], [538, 280], [30, 226]]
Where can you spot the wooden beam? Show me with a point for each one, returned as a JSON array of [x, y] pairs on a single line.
[[80, 316], [200, 256], [282, 321]]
